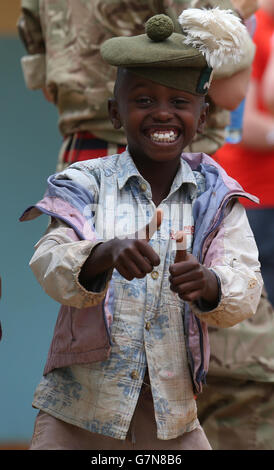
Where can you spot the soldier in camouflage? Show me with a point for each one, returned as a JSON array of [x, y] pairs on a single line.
[[63, 39]]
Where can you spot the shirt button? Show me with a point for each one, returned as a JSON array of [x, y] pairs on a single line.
[[252, 283], [143, 186], [148, 325], [154, 275], [134, 375]]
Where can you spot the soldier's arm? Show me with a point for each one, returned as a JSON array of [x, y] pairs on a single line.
[[244, 8], [268, 80], [30, 33], [230, 83], [258, 127], [229, 92]]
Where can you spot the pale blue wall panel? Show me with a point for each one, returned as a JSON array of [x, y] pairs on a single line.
[[29, 144]]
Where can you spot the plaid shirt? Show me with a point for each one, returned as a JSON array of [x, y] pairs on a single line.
[[147, 329]]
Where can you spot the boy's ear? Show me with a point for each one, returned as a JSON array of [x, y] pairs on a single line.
[[203, 118], [114, 113]]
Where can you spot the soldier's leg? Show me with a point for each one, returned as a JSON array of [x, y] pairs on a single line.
[[237, 415], [236, 408]]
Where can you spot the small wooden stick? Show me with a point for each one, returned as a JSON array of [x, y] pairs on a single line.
[[181, 251]]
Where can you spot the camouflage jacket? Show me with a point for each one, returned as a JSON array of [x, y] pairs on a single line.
[[63, 41]]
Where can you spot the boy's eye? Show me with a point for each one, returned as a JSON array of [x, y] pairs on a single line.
[[144, 100], [180, 102]]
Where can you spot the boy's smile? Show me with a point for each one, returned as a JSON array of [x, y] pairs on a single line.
[[163, 134], [159, 122]]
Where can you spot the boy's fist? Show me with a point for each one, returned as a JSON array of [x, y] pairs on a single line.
[[133, 256], [188, 278]]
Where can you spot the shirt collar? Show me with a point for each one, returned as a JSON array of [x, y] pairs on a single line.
[[184, 175], [126, 169]]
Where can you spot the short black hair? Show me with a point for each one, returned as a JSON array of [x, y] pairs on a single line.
[[120, 72]]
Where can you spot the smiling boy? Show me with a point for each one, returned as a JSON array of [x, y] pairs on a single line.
[[130, 348], [159, 122]]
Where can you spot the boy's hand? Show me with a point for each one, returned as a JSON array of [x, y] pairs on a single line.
[[131, 256], [188, 278]]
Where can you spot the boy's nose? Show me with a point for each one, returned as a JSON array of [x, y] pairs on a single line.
[[162, 114]]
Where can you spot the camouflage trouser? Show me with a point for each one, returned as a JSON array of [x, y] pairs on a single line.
[[236, 408], [237, 415]]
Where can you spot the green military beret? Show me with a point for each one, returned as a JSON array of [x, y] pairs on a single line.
[[161, 55]]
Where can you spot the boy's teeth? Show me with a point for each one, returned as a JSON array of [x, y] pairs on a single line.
[[165, 136]]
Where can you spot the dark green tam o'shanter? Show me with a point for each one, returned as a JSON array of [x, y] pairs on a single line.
[[210, 40], [162, 56]]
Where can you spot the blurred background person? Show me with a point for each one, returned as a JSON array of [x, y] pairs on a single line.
[[237, 406]]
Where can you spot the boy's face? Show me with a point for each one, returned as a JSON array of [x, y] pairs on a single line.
[[159, 122]]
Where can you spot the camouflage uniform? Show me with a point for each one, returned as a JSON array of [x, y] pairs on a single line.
[[77, 78], [236, 408]]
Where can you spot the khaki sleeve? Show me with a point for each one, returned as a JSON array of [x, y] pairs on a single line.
[[57, 262], [30, 33], [32, 5]]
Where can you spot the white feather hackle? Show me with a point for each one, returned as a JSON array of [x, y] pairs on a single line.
[[218, 34]]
